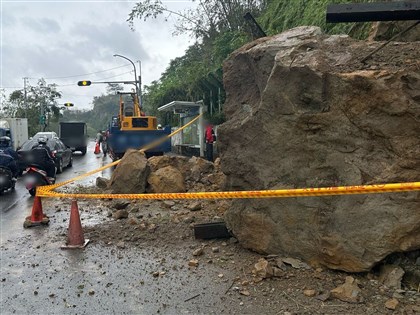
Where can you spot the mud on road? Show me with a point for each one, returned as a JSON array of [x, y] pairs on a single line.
[[140, 265]]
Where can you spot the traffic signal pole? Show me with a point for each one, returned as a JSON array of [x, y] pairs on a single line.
[[42, 118], [88, 83], [135, 76]]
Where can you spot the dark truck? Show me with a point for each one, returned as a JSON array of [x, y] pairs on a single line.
[[74, 135]]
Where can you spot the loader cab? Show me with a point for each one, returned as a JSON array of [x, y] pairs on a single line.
[[129, 110], [131, 116]]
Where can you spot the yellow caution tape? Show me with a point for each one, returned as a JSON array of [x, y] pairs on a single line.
[[48, 191], [282, 193]]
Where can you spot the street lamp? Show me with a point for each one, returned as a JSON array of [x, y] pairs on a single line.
[[135, 72]]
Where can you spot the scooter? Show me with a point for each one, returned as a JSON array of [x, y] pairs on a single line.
[[6, 179], [34, 177]]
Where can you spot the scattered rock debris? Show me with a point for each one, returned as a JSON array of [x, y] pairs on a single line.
[[392, 304], [194, 206], [198, 252], [193, 263], [120, 214], [266, 269], [391, 276], [347, 292], [309, 292]]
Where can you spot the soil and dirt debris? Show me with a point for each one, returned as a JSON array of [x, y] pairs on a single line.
[[143, 258], [247, 282], [270, 284]]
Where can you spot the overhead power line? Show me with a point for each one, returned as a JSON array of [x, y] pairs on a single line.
[[11, 87], [117, 75], [82, 75]]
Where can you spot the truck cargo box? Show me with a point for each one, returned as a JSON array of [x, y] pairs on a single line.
[[74, 135], [16, 129]]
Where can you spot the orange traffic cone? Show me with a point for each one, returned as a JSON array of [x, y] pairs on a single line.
[[75, 237], [97, 148], [37, 217]]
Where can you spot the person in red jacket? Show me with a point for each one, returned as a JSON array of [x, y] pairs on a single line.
[[210, 137]]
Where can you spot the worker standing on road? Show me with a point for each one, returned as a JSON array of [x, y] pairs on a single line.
[[210, 138], [99, 139], [104, 143]]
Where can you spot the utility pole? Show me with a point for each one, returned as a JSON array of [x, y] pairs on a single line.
[[26, 98], [135, 76], [140, 96], [42, 118], [219, 100]]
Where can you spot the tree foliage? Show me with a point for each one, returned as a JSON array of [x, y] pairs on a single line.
[[281, 15], [219, 28], [99, 117], [205, 21], [40, 96]]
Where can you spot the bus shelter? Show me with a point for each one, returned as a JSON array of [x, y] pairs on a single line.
[[192, 137]]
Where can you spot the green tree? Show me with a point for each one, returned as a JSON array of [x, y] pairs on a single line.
[[206, 20], [4, 104], [99, 117], [41, 98]]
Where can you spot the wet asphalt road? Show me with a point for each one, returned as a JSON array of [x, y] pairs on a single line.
[[16, 205], [37, 277]]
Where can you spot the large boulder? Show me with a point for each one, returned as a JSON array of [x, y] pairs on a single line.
[[386, 30], [200, 167], [198, 173], [179, 162], [302, 111], [166, 180], [131, 174]]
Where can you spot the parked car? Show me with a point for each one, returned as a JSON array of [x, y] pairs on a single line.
[[62, 155], [45, 134]]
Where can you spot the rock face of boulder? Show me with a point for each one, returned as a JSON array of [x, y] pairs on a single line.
[[199, 174], [166, 180], [386, 30], [131, 174], [302, 111], [136, 174], [179, 162], [102, 182]]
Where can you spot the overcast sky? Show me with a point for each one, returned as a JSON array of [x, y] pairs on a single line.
[[54, 39]]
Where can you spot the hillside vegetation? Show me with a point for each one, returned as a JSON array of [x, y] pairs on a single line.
[[198, 73]]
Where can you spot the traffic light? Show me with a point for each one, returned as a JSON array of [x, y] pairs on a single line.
[[84, 83], [68, 104], [42, 120]]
